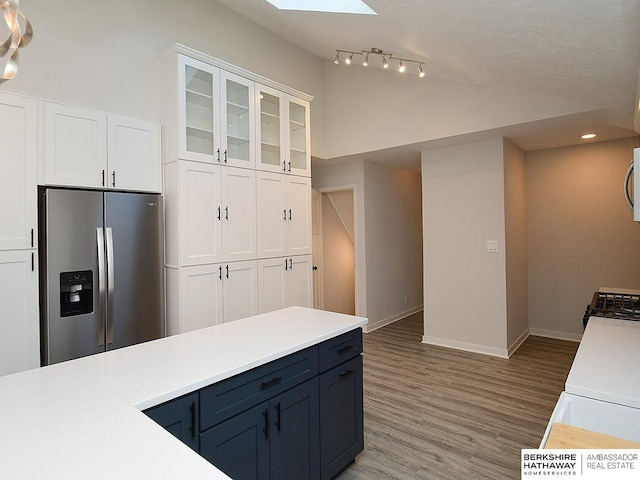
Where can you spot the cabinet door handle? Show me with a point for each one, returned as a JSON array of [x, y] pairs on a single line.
[[220, 272], [270, 383], [278, 424], [344, 375], [226, 213], [219, 213], [289, 214], [286, 265], [33, 262], [291, 264], [284, 214], [284, 166], [218, 152], [192, 428], [227, 271], [103, 178], [225, 156], [32, 237], [345, 349], [113, 178], [265, 414]]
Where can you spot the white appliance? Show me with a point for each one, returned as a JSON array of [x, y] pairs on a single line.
[[634, 170]]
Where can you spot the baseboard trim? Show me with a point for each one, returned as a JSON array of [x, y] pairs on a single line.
[[467, 347], [540, 332], [370, 327], [519, 341]]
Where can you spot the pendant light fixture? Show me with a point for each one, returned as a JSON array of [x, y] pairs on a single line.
[[386, 58], [20, 36]]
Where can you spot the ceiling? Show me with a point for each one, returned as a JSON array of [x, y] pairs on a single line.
[[586, 50]]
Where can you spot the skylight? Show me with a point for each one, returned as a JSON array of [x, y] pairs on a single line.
[[334, 6]]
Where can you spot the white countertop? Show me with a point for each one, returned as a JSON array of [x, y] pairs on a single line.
[[607, 363], [81, 419]]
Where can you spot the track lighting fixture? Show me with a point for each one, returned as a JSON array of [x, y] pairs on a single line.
[[386, 58]]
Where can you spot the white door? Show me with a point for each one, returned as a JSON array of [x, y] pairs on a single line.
[[316, 231], [272, 286], [300, 281], [239, 237], [133, 154], [240, 287], [198, 110], [272, 214], [75, 146], [19, 329], [201, 297], [270, 130], [237, 125], [298, 215], [18, 182], [200, 192]]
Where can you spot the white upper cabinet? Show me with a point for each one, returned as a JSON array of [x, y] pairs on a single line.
[[283, 129], [133, 154], [237, 125], [18, 182], [75, 146], [90, 148], [198, 105]]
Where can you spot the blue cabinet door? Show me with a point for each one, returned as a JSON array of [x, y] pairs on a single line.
[[341, 422], [295, 443], [180, 417]]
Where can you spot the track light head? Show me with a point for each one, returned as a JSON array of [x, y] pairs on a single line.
[[384, 62], [401, 67], [365, 63], [348, 59], [421, 73], [337, 59]]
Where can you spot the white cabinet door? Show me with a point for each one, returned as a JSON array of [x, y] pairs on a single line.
[[300, 281], [272, 214], [299, 235], [201, 297], [299, 138], [133, 154], [240, 289], [19, 330], [270, 130], [272, 284], [200, 212], [18, 182], [239, 214], [198, 111], [75, 146], [237, 125]]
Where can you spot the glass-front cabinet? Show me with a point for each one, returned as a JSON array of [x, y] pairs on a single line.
[[198, 106], [283, 130], [238, 123]]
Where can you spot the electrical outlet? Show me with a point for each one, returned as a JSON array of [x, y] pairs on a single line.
[[493, 246]]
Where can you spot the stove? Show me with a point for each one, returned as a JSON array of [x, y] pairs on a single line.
[[623, 306]]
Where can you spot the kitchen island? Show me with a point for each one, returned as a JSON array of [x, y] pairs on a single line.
[[83, 418]]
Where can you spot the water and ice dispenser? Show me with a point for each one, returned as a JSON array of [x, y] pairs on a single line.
[[76, 293]]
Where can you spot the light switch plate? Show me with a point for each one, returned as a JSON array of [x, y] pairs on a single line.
[[493, 246]]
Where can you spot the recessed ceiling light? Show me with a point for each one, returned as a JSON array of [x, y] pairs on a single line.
[[587, 136], [333, 6]]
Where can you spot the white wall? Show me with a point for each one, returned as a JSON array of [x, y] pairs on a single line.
[[580, 232], [372, 109], [515, 212], [393, 224], [104, 55], [464, 286]]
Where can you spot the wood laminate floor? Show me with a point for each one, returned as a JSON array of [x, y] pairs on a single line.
[[437, 413]]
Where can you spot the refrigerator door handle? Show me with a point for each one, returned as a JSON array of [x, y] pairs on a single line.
[[110, 285], [101, 285]]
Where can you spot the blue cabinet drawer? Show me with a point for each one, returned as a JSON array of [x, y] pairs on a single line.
[[236, 394], [336, 350]]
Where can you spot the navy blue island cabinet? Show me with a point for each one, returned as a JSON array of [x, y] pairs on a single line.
[[299, 417]]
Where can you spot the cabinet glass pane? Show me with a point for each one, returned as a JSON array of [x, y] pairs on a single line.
[[297, 136], [238, 143], [270, 129], [199, 110]]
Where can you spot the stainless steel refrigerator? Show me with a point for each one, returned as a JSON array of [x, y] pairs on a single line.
[[101, 271]]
